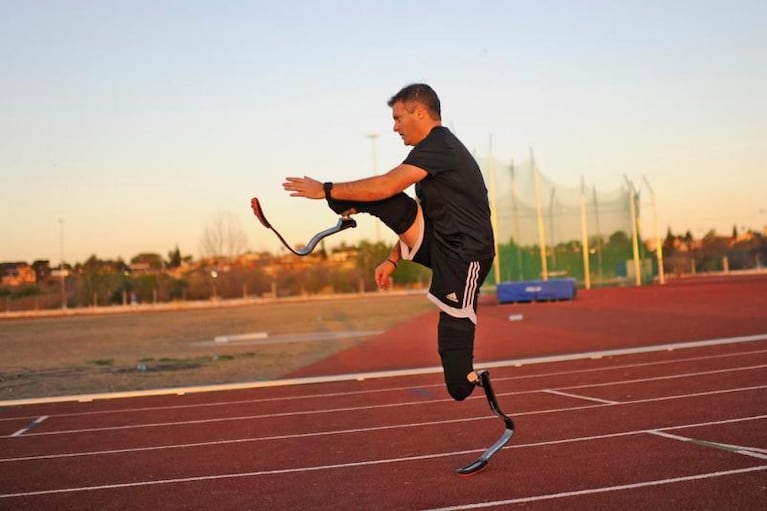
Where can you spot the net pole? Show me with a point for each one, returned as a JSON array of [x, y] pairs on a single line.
[[634, 234], [600, 244], [585, 238], [517, 240], [539, 215], [494, 213], [552, 237], [658, 244]]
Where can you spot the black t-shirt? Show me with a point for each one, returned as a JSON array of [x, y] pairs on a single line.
[[453, 196]]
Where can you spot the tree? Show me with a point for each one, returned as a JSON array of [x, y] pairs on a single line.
[[669, 243], [174, 258], [223, 236], [42, 269], [100, 280], [688, 239], [153, 261], [713, 249]]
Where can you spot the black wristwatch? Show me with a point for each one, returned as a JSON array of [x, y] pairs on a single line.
[[327, 187]]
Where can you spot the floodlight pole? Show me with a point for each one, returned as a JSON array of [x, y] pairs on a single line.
[[658, 244]]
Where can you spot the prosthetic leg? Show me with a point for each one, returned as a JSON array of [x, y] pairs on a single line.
[[398, 212], [344, 222], [482, 379]]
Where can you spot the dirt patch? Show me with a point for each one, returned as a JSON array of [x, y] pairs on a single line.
[[53, 356]]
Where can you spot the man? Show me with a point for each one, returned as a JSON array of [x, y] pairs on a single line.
[[448, 229]]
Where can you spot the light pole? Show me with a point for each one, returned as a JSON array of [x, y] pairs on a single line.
[[373, 137]]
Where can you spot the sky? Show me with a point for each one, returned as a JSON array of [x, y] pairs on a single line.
[[129, 126]]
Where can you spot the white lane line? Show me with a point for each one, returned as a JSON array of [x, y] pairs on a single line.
[[604, 489], [373, 429], [393, 389], [384, 461], [754, 452], [411, 403], [663, 378], [30, 426], [577, 396], [235, 475], [389, 374], [636, 365], [372, 407]]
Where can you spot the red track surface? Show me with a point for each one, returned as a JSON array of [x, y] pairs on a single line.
[[662, 430]]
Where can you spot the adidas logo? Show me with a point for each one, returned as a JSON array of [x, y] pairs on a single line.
[[452, 297]]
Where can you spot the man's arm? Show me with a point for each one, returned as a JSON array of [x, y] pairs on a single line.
[[384, 270], [366, 189]]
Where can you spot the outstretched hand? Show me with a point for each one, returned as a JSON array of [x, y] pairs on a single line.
[[304, 187]]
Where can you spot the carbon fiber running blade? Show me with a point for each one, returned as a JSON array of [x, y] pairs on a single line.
[[483, 380], [472, 468], [259, 212]]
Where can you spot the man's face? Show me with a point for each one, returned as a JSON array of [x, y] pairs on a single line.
[[406, 122]]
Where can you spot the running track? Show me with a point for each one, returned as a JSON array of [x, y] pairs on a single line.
[[649, 398]]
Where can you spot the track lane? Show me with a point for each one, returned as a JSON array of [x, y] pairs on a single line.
[[282, 453], [409, 466], [347, 486]]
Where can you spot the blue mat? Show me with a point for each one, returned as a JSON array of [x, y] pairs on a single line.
[[536, 290]]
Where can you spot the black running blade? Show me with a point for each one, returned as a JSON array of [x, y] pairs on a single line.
[[259, 212], [472, 468]]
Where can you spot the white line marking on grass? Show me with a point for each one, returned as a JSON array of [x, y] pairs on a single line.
[[577, 396], [385, 374], [30, 426], [252, 336], [604, 489], [258, 338]]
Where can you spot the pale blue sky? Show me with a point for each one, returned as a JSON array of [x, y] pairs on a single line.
[[136, 122]]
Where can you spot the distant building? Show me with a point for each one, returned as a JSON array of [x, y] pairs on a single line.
[[17, 274], [141, 268]]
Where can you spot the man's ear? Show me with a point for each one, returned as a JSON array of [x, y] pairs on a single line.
[[420, 111]]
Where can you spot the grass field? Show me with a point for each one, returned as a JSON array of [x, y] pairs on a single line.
[[54, 356]]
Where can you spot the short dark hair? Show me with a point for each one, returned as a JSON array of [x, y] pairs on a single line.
[[419, 93]]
